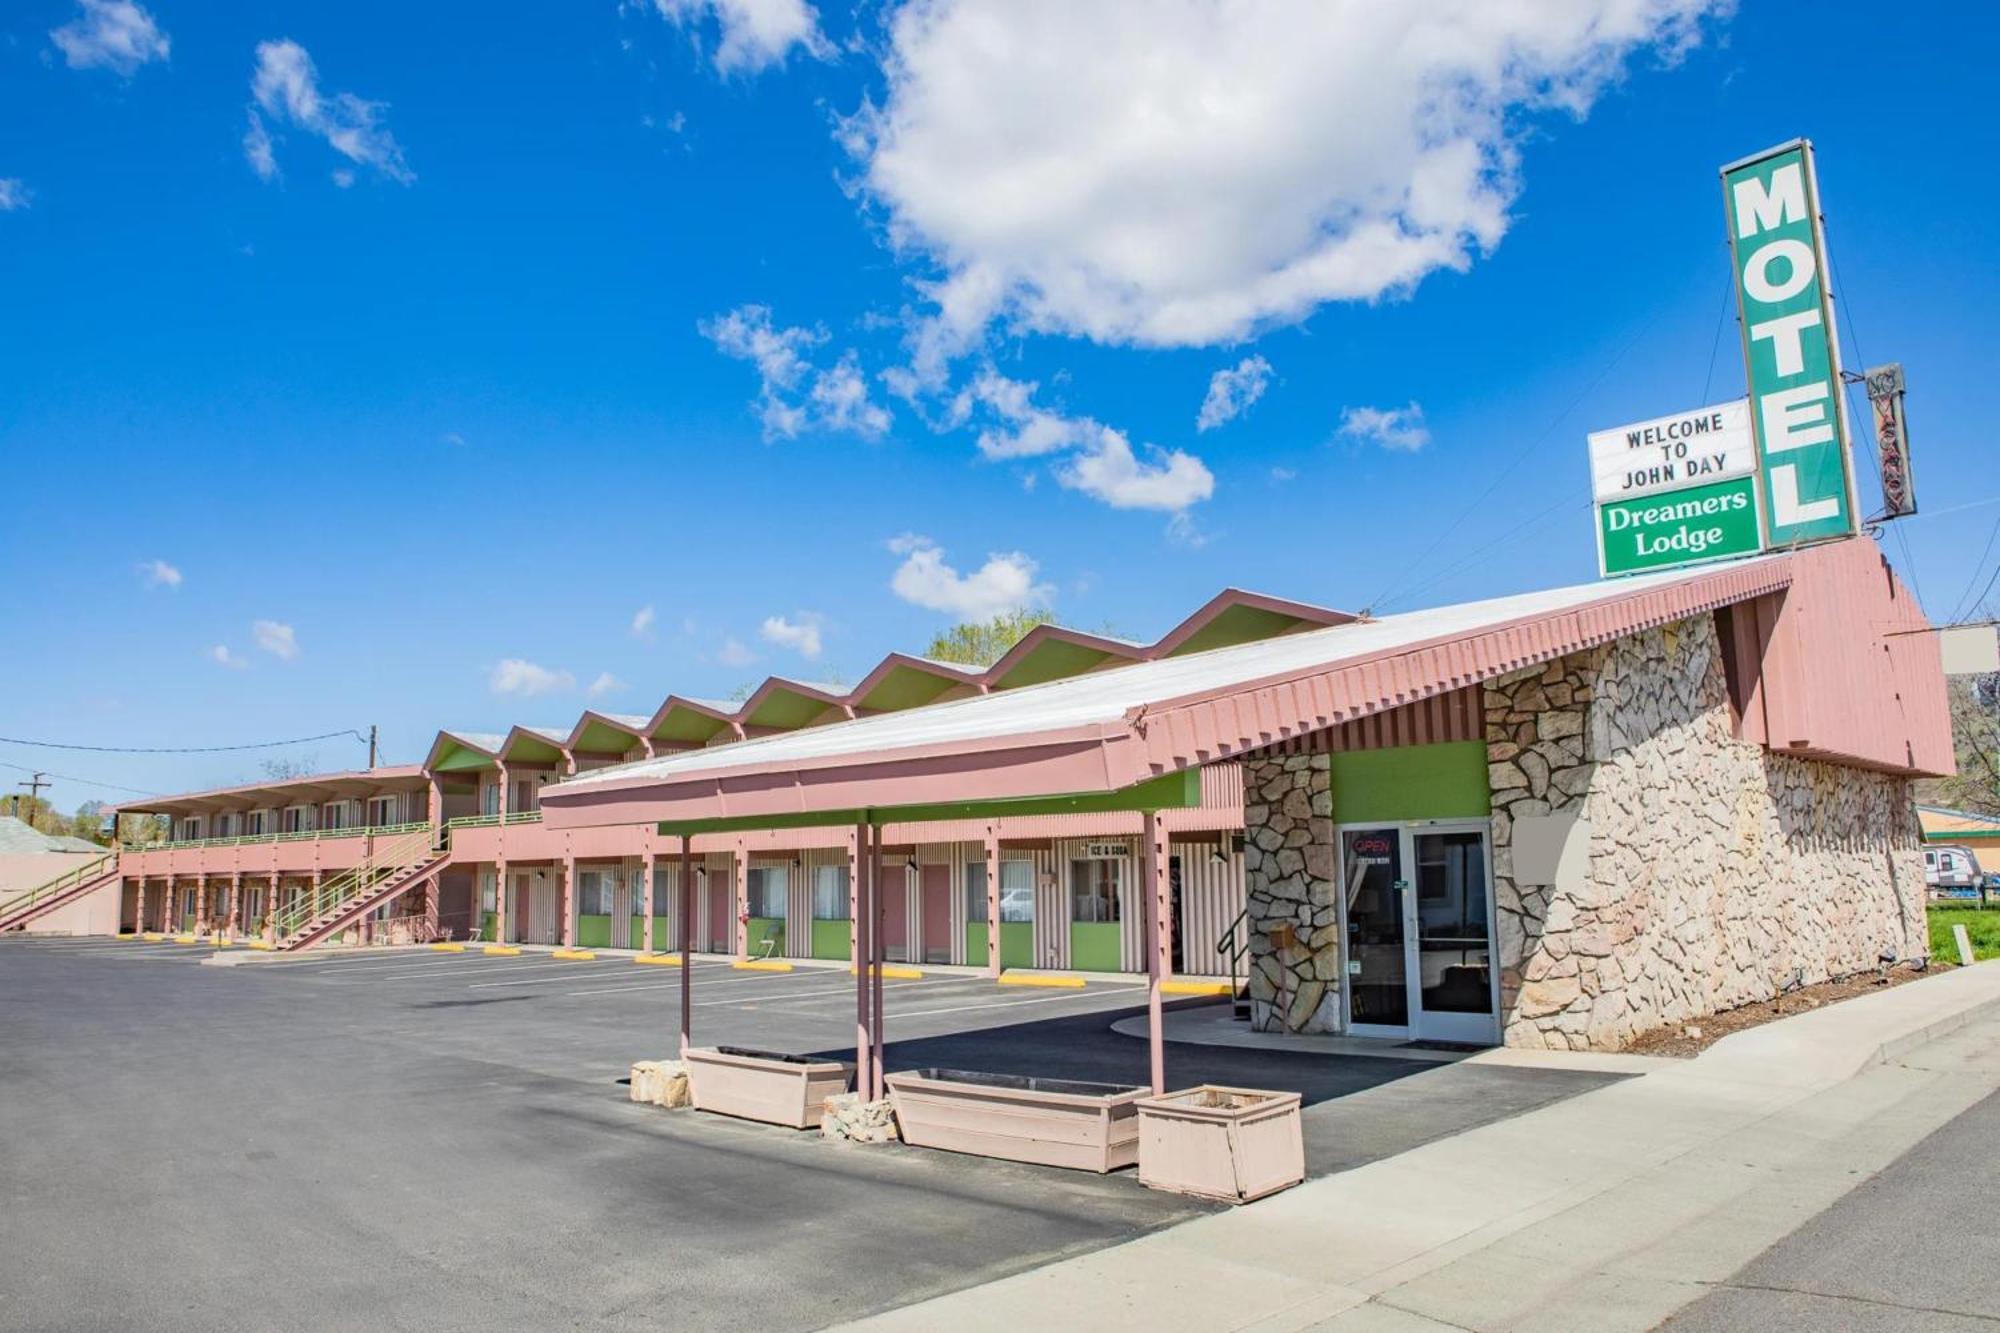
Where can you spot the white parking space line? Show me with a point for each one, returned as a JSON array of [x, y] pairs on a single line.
[[327, 968], [564, 972]]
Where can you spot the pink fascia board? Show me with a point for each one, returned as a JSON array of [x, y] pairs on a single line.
[[1040, 634], [1207, 726], [247, 796], [630, 726], [950, 671], [1081, 759], [805, 690], [1229, 599], [701, 706]]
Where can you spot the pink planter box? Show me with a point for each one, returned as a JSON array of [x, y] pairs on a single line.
[[1232, 1144], [1049, 1122], [770, 1086]]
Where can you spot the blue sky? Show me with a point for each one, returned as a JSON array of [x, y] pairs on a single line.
[[426, 348]]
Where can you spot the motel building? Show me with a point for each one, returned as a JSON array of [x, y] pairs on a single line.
[[1555, 819]]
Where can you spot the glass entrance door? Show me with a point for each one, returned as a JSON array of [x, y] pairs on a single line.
[[1452, 944], [1378, 992]]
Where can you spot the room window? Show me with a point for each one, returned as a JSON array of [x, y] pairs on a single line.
[[975, 891], [594, 889], [1017, 891], [489, 799], [295, 820], [190, 830], [767, 891], [829, 893], [257, 823], [489, 891], [1093, 891], [333, 815], [382, 811]]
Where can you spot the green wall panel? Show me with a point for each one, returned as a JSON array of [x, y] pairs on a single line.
[[1094, 946], [760, 926], [831, 939], [593, 932], [1017, 944], [487, 920], [1445, 781]]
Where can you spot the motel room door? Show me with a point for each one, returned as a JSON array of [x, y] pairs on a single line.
[[936, 919], [1419, 927]]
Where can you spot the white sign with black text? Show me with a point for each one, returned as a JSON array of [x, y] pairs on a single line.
[[1670, 453]]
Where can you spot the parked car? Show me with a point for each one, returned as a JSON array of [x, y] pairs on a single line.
[[1951, 871]]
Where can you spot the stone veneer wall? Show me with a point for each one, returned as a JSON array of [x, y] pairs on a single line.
[[1718, 871], [1289, 878]]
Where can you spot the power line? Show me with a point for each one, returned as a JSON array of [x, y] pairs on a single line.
[[1520, 456], [1715, 344], [1962, 605], [186, 749], [86, 782]]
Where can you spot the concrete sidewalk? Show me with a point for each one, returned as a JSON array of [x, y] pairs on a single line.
[[1609, 1210]]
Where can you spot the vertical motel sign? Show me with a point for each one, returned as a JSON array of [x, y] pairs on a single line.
[[1789, 348]]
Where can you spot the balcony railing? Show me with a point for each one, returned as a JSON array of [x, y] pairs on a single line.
[[258, 839], [491, 821]]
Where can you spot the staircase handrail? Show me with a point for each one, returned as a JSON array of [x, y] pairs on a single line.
[[384, 858], [62, 883]]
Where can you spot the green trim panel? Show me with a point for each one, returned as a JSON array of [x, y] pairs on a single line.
[[832, 939], [1094, 946], [593, 932], [1017, 944], [1446, 781], [487, 922], [760, 926]]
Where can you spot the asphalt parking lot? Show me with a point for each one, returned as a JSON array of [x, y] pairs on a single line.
[[429, 1140]]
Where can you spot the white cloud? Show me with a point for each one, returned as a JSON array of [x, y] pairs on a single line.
[[734, 653], [1108, 470], [792, 394], [117, 35], [606, 683], [755, 33], [1022, 429], [1391, 427], [642, 622], [1004, 582], [257, 149], [159, 574], [1100, 462], [1215, 169], [1281, 475], [1231, 390], [14, 194], [285, 86], [221, 656], [801, 635], [517, 676], [277, 639]]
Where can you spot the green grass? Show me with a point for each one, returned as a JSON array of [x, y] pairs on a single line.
[[1982, 926]]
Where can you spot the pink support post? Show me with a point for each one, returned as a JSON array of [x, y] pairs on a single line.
[[235, 906], [864, 1047], [648, 866], [499, 902], [686, 923], [569, 902], [1159, 923], [875, 952], [739, 873], [993, 901], [139, 916]]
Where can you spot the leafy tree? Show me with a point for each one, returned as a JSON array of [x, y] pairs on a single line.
[[982, 643], [1975, 730], [284, 770]]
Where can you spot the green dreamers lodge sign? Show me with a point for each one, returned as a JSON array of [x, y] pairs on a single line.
[[1789, 346]]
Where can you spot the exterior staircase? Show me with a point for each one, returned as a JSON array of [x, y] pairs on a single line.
[[24, 907], [392, 869]]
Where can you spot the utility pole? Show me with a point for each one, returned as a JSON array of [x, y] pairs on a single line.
[[34, 787], [371, 747]]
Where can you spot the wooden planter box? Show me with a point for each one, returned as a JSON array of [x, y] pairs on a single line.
[[771, 1086], [1046, 1121], [1232, 1144]]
